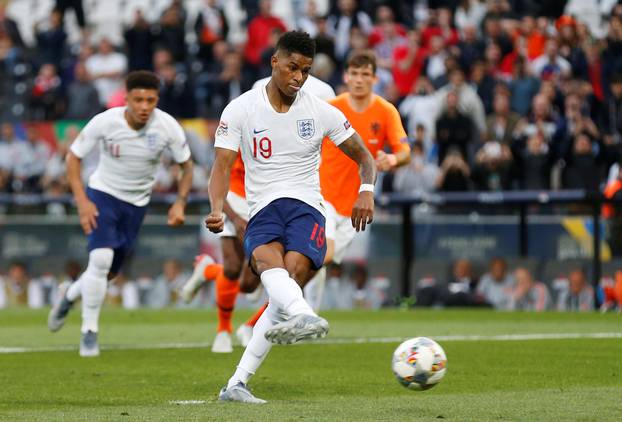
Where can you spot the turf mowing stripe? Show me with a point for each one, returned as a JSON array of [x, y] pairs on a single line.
[[343, 340]]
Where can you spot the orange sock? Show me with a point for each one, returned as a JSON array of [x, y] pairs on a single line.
[[212, 271], [253, 320], [226, 292]]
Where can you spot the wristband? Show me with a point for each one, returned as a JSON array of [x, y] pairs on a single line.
[[366, 187]]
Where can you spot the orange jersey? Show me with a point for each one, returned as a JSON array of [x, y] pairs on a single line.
[[380, 124], [608, 210], [236, 181]]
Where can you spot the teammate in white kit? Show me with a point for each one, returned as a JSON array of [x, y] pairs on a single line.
[[131, 140], [279, 131]]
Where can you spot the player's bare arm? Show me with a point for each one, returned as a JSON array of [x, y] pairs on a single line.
[[363, 210], [87, 210], [218, 187], [386, 162], [176, 214]]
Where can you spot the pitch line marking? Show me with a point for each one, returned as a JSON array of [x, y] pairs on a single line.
[[337, 340], [187, 402]]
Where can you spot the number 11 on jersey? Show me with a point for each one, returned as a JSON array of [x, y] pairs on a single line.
[[264, 145]]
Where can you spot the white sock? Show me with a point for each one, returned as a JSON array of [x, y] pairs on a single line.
[[284, 292], [74, 291], [314, 290], [94, 282], [309, 291], [257, 348]]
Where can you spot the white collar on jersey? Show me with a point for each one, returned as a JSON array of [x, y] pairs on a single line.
[[264, 95]]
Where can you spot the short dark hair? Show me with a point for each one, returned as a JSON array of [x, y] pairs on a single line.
[[19, 264], [142, 79], [296, 42], [362, 59]]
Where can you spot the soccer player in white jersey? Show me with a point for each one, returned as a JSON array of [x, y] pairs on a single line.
[[279, 130], [235, 275], [131, 140], [314, 289]]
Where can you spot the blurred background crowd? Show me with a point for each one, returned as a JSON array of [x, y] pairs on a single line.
[[495, 94], [462, 284], [346, 289]]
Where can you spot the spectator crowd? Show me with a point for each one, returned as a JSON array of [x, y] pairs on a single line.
[[348, 287], [20, 287], [517, 289], [495, 94]]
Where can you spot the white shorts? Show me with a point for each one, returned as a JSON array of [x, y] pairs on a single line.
[[339, 229], [240, 207]]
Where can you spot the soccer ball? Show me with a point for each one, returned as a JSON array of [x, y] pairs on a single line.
[[419, 363]]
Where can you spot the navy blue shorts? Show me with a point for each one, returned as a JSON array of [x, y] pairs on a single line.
[[295, 224], [118, 224]]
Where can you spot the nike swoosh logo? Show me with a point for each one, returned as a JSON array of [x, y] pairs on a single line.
[[256, 132]]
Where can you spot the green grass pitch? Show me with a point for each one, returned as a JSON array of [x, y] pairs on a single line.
[[152, 359]]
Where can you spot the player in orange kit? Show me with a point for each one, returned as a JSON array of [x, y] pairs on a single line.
[[379, 124]]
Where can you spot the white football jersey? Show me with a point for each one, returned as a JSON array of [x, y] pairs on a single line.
[[281, 151], [315, 86], [129, 158]]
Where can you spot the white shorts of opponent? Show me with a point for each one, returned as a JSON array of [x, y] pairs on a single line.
[[240, 207], [339, 229]]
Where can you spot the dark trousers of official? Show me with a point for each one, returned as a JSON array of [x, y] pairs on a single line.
[[76, 5]]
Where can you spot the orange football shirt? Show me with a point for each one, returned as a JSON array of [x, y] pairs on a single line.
[[236, 180], [379, 125]]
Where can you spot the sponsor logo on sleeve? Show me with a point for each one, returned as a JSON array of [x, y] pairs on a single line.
[[347, 125], [223, 128]]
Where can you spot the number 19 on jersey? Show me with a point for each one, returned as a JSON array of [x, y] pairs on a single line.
[[263, 147]]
